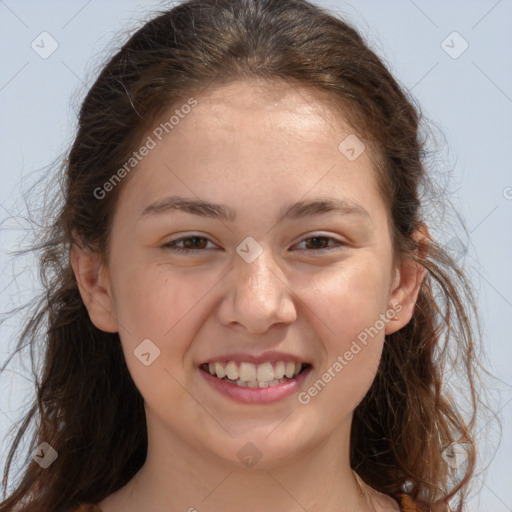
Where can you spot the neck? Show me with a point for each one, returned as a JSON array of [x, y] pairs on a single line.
[[179, 477]]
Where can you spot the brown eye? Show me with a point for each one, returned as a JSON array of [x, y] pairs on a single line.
[[190, 244], [320, 243]]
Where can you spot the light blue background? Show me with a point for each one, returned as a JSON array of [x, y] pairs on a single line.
[[468, 98]]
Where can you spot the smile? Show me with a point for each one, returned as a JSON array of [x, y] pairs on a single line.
[[255, 383], [251, 375]]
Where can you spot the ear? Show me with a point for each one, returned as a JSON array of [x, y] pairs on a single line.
[[92, 277], [406, 287]]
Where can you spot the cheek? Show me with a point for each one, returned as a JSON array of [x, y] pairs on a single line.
[[348, 315], [151, 301], [349, 300], [153, 305], [166, 307]]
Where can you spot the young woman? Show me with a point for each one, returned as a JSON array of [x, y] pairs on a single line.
[[245, 308]]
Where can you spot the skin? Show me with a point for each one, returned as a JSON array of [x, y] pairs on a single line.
[[256, 148]]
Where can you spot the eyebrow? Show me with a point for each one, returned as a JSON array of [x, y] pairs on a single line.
[[299, 210]]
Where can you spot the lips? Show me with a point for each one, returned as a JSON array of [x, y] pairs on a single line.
[[255, 391], [266, 370]]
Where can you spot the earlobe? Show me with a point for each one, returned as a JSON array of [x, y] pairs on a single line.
[[93, 283], [407, 285]]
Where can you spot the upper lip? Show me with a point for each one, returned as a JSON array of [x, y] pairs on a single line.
[[270, 355]]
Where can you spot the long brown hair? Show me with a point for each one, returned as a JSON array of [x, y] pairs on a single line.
[[88, 408]]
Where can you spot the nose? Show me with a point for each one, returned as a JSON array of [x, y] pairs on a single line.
[[258, 296]]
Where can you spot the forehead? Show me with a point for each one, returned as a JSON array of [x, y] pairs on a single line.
[[280, 105], [269, 122], [268, 139]]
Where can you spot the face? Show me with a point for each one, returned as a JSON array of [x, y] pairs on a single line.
[[246, 234]]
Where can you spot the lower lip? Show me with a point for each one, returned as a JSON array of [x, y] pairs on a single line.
[[256, 395]]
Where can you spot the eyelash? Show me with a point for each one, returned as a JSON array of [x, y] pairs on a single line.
[[181, 250]]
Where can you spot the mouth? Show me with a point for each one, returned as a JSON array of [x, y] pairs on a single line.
[[249, 375]]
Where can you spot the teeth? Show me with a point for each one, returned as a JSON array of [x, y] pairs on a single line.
[[247, 372], [265, 373], [290, 369], [257, 384], [279, 369], [256, 375], [219, 370], [231, 371]]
